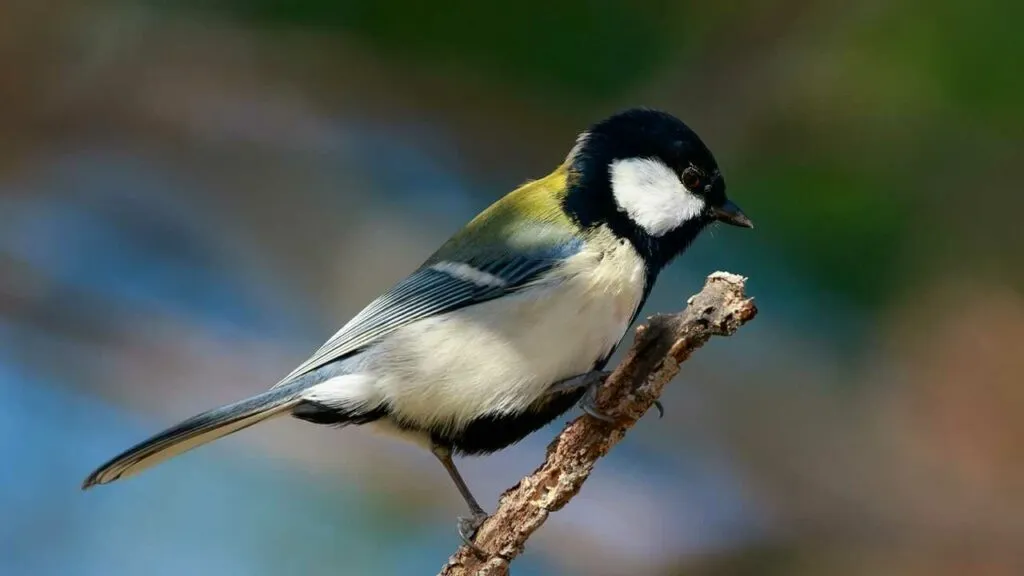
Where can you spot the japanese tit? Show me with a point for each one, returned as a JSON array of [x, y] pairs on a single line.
[[502, 329]]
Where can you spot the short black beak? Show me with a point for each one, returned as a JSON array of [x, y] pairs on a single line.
[[731, 214]]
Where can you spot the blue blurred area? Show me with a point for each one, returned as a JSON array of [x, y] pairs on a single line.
[[111, 225], [236, 517]]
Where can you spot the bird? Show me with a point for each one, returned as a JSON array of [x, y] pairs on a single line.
[[510, 323]]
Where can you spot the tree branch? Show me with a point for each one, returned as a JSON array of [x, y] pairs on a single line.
[[659, 348]]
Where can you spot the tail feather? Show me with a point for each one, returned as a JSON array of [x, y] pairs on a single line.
[[194, 432]]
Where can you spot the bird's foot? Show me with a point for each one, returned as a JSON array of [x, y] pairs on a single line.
[[589, 402], [587, 380], [592, 381], [467, 531]]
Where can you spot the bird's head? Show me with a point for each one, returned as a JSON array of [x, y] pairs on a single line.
[[649, 178]]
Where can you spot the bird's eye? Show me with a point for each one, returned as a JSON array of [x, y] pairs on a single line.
[[691, 179]]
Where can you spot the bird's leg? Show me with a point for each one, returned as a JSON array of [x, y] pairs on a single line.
[[467, 526], [592, 381], [594, 378]]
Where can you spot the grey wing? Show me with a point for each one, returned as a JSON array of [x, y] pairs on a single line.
[[433, 289]]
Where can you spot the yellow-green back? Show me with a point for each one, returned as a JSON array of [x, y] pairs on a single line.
[[528, 219]]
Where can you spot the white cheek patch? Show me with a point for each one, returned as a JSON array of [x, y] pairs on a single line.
[[652, 195]]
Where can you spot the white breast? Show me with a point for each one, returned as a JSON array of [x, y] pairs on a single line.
[[500, 356]]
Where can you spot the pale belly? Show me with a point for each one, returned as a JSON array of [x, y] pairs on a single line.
[[498, 357]]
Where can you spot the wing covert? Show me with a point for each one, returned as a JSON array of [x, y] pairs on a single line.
[[439, 286]]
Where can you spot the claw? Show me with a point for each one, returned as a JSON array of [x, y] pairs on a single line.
[[595, 413], [588, 405], [467, 530], [660, 409]]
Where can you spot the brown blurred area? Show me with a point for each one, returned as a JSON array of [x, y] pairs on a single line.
[[918, 471], [194, 196]]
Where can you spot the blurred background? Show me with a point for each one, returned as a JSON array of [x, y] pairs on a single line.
[[195, 194]]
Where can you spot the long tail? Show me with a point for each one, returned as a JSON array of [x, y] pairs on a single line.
[[196, 431]]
